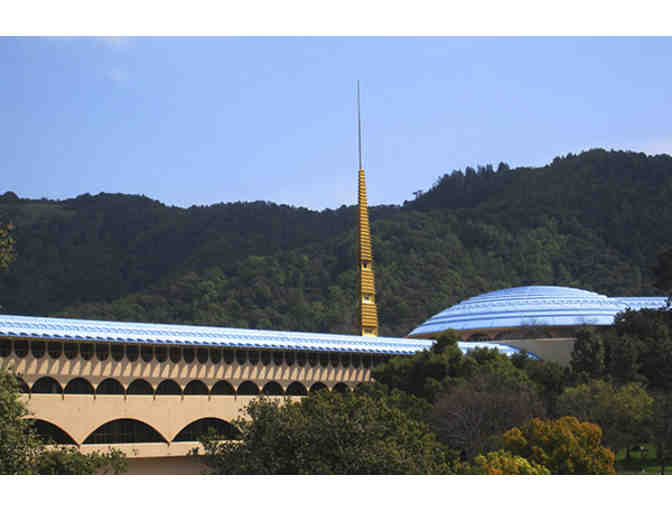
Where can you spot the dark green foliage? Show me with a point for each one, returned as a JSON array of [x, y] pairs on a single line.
[[588, 356], [579, 221], [69, 461], [22, 452], [7, 253], [327, 433], [488, 403]]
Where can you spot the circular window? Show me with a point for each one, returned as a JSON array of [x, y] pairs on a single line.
[[161, 354], [131, 352], [175, 354], [37, 348], [70, 350], [21, 348], [102, 351], [117, 352], [86, 351], [5, 348], [147, 353], [55, 349]]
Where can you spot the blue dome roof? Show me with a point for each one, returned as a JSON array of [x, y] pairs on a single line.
[[536, 305]]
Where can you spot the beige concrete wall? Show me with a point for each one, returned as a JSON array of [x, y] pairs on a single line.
[[80, 415], [550, 349], [64, 370]]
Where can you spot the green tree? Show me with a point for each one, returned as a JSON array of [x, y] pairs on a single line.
[[7, 252], [22, 452], [500, 462], [327, 433], [19, 446], [663, 271], [661, 429], [622, 413], [588, 354], [565, 446], [490, 402]]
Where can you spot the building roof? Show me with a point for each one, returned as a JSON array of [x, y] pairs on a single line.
[[48, 328], [536, 305], [168, 334]]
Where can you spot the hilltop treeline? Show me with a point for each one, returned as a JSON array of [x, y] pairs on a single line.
[[594, 220]]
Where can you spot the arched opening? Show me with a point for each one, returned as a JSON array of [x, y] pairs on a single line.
[[86, 351], [147, 353], [175, 354], [55, 349], [278, 357], [5, 348], [46, 385], [272, 388], [117, 352], [23, 387], [366, 361], [49, 432], [290, 357], [20, 348], [140, 387], [102, 351], [222, 388], [78, 386], [227, 355], [161, 354], [341, 388], [324, 359], [345, 359], [297, 389], [355, 359], [110, 387], [253, 357], [202, 356], [215, 356], [318, 386], [168, 387], [70, 349], [199, 428], [124, 431], [132, 353], [248, 388], [265, 358], [312, 359], [334, 358], [188, 354], [301, 358], [196, 387], [37, 348]]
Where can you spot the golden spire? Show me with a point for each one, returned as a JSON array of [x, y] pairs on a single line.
[[368, 317]]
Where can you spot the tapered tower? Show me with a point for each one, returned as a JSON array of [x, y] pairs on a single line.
[[368, 311]]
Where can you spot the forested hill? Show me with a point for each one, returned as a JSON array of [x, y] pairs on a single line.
[[594, 220]]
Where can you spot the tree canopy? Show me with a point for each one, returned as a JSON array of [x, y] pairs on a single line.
[[327, 433], [22, 452]]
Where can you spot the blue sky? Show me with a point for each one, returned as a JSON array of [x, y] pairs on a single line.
[[196, 121]]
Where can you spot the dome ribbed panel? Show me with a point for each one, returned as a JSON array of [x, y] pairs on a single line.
[[536, 305]]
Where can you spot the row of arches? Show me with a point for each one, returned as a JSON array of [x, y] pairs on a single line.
[[127, 430], [110, 386], [118, 352]]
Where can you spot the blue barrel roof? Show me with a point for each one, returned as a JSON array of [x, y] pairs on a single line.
[[535, 305], [19, 326]]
